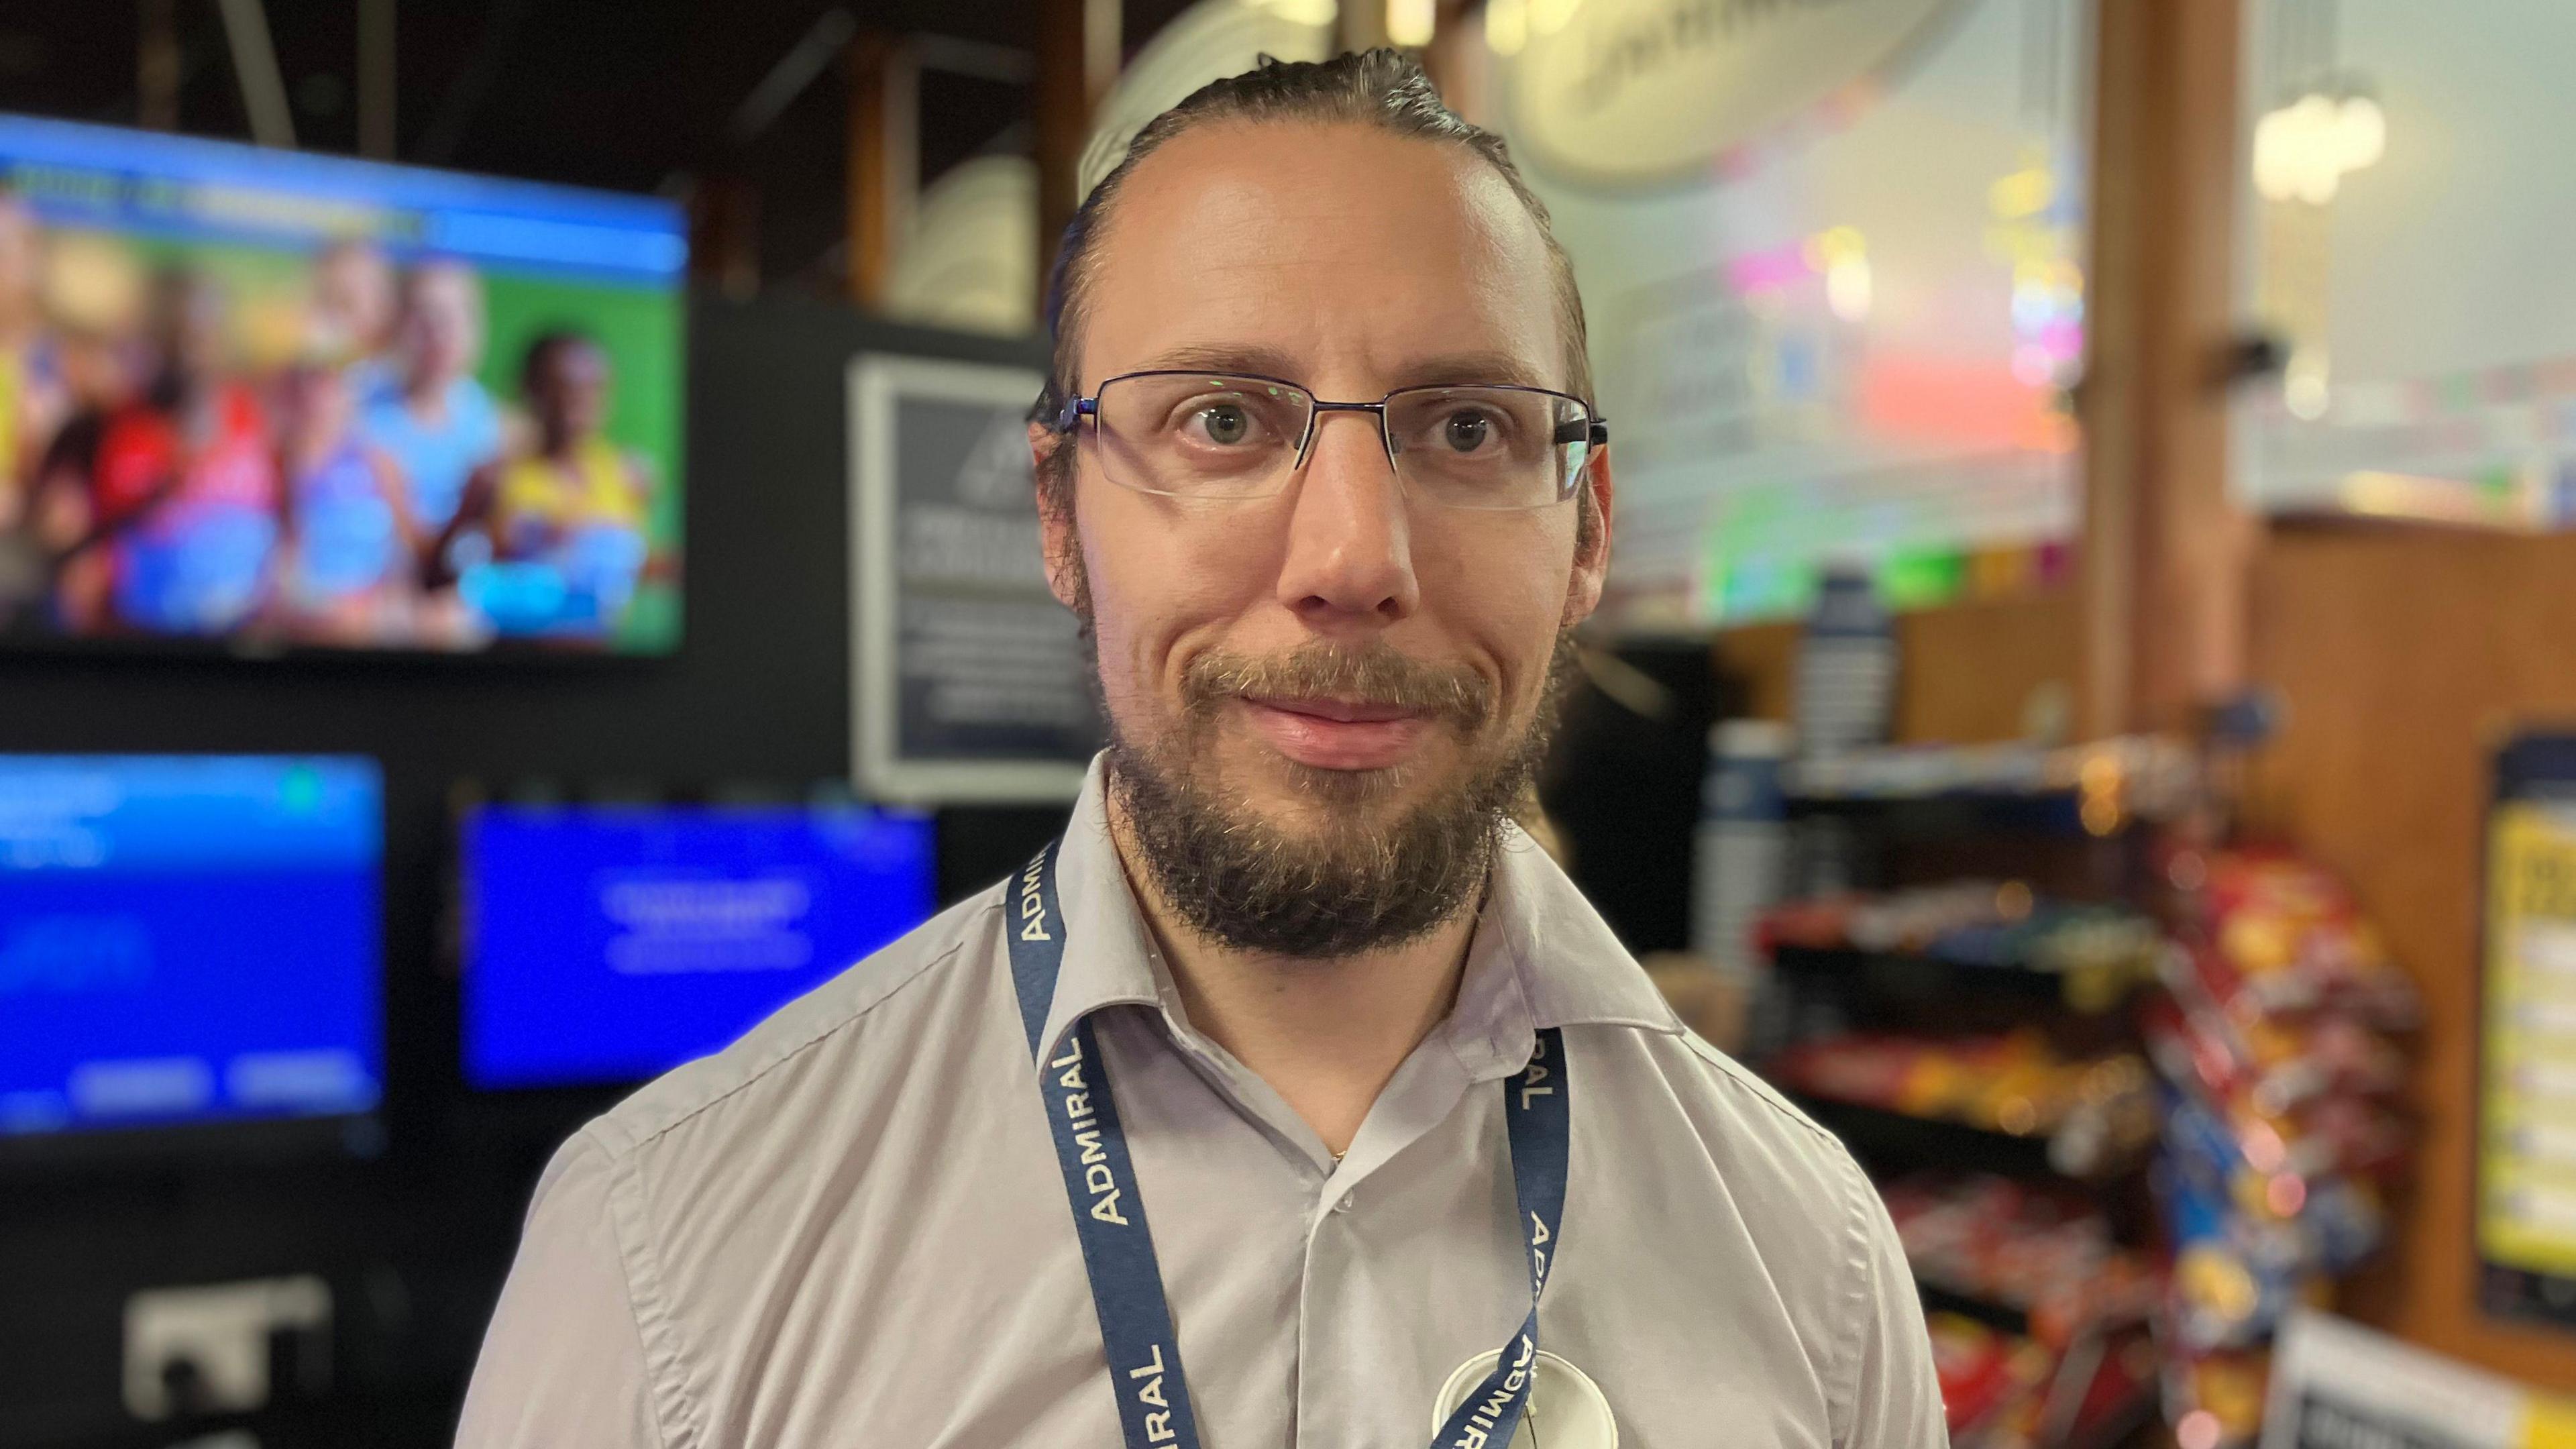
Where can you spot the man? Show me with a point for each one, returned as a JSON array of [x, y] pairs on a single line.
[[1290, 984]]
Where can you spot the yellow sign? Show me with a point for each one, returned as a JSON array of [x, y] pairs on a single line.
[[2527, 1152]]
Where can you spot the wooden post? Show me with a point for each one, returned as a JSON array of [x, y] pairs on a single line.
[[884, 159], [724, 233], [156, 66], [1460, 65], [2165, 547], [376, 79], [1362, 24], [1078, 60]]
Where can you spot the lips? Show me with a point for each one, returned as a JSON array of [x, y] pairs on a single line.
[[1335, 734], [1340, 711]]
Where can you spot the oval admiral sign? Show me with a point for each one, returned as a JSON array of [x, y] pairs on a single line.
[[1632, 92]]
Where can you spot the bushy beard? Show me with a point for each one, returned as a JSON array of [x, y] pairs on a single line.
[[1356, 882]]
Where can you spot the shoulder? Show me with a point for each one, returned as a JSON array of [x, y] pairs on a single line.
[[856, 1031], [1738, 1117], [1726, 1161], [1751, 1157]]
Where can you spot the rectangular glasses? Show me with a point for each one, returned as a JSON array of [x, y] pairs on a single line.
[[1216, 436]]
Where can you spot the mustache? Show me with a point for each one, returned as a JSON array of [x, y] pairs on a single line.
[[1375, 674]]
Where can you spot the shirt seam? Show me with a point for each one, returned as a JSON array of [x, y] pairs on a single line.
[[1732, 1074], [637, 1138], [673, 1402], [1857, 1198]]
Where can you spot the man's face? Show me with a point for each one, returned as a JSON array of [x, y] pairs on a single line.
[[1334, 658]]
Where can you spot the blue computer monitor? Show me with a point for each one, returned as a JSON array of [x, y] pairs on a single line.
[[188, 940], [610, 943]]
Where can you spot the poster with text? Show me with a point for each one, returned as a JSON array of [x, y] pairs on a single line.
[[972, 683]]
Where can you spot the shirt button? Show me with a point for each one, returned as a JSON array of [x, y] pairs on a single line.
[[1344, 1205]]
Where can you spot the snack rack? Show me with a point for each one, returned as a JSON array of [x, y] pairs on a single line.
[[2127, 1089]]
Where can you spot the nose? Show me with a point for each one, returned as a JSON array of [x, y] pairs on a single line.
[[1349, 561]]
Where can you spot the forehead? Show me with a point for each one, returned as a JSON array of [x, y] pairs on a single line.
[[1357, 258]]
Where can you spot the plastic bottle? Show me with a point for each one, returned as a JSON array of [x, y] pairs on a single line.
[[1741, 856]]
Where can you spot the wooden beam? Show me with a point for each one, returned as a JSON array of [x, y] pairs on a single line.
[[1077, 62], [884, 159], [376, 79], [2165, 548], [157, 65], [724, 233], [1460, 65], [1362, 24]]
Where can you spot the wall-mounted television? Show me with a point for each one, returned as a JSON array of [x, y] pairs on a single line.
[[612, 942], [187, 941], [273, 400]]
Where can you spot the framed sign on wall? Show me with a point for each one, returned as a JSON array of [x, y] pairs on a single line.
[[2526, 1203], [970, 681]]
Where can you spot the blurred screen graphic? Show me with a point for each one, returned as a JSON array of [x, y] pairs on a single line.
[[612, 942], [187, 939], [281, 399]]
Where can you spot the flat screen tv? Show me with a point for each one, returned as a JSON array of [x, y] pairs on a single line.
[[188, 941], [266, 400], [610, 943]]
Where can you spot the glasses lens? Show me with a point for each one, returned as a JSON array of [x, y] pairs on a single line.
[[1197, 435], [1488, 447]]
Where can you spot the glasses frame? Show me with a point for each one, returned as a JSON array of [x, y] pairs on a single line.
[[1595, 428]]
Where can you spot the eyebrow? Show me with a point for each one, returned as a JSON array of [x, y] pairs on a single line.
[[1261, 361]]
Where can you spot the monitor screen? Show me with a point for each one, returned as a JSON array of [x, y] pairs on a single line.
[[275, 399], [611, 943], [187, 940]]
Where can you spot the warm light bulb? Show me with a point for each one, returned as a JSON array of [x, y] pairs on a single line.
[[2302, 151], [2361, 133], [1847, 286], [1322, 14], [1410, 22], [1547, 17], [2304, 389]]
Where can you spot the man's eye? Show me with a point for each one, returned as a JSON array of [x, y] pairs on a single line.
[[1465, 432], [1225, 423]]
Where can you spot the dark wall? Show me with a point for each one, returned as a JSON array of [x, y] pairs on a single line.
[[415, 1240]]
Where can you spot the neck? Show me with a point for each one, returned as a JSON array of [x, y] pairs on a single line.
[[1325, 1034]]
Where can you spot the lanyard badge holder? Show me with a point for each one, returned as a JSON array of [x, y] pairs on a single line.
[[1118, 1248]]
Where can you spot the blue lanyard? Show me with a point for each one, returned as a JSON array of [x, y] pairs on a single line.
[[1118, 1248]]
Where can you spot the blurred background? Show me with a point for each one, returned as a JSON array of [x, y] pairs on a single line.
[[516, 558]]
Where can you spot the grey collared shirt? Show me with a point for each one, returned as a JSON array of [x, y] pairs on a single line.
[[849, 1227]]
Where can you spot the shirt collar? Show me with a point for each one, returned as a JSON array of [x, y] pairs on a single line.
[[1108, 954], [1540, 957]]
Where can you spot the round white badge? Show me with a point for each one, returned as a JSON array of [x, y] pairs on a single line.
[[1567, 1409]]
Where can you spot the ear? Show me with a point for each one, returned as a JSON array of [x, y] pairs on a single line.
[[1592, 540], [1057, 539]]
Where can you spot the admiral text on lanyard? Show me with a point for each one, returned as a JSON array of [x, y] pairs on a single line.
[[1118, 1249]]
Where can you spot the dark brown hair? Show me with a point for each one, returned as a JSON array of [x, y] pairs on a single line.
[[1381, 88]]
